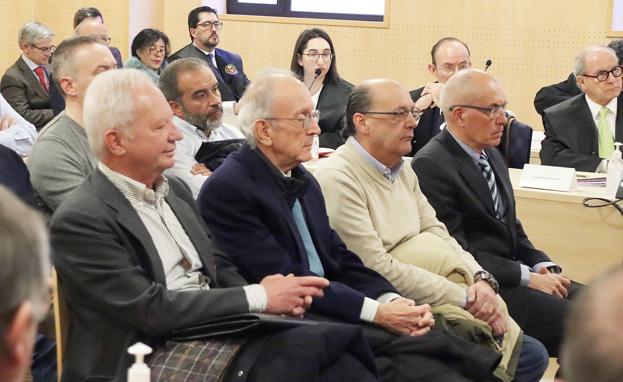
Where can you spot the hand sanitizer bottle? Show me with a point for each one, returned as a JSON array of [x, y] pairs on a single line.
[[615, 172], [139, 371]]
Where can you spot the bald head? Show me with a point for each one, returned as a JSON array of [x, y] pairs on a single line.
[[94, 28], [466, 87], [593, 346]]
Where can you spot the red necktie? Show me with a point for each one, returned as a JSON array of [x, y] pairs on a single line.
[[40, 72]]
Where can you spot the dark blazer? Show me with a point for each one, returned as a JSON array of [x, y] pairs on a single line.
[[571, 135], [332, 106], [14, 175], [114, 281], [554, 94], [459, 193], [427, 127], [247, 205], [234, 81], [22, 90]]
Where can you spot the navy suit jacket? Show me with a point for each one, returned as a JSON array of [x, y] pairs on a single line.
[[229, 65], [332, 106], [427, 127], [247, 206], [571, 138], [455, 187], [14, 175]]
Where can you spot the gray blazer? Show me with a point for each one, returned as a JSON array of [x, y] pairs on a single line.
[[115, 284], [24, 93]]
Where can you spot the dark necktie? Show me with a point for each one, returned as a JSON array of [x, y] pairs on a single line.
[[222, 85], [487, 172], [40, 72]]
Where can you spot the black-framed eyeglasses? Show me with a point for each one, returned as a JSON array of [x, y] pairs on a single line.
[[49, 49], [602, 75], [209, 24], [155, 50], [308, 121], [314, 56], [492, 112], [399, 114]]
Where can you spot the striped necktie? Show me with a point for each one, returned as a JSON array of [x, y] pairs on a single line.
[[606, 140], [487, 172]]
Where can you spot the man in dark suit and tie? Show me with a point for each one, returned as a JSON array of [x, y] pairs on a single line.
[[204, 27], [580, 132], [151, 268], [466, 180], [448, 55], [25, 85]]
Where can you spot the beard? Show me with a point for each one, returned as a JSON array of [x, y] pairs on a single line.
[[206, 123]]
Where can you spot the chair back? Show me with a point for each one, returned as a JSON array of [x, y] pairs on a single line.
[[61, 320], [515, 143]]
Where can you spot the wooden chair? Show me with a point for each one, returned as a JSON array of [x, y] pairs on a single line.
[[61, 320]]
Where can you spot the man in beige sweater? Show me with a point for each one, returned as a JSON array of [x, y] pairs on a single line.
[[376, 205]]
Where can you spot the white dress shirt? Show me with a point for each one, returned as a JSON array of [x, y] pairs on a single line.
[[20, 136]]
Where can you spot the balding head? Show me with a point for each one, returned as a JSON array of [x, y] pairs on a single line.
[[589, 63], [473, 103], [94, 28], [593, 346]]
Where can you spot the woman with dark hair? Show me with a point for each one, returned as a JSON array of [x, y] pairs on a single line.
[[314, 62], [150, 49]]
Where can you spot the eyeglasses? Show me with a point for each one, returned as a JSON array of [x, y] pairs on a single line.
[[451, 69], [308, 121], [326, 56], [492, 112], [400, 114], [154, 50], [602, 75], [209, 24], [49, 49]]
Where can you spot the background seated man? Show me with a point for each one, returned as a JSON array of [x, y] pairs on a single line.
[[192, 91], [24, 283], [466, 181], [25, 85], [375, 204], [554, 94], [448, 56], [151, 268], [267, 212], [580, 132], [593, 345]]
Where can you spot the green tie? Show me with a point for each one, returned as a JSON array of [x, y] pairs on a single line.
[[606, 140]]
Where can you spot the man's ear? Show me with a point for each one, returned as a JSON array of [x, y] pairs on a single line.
[[19, 338], [177, 109], [432, 69], [263, 133], [67, 85], [115, 141], [359, 120], [581, 81]]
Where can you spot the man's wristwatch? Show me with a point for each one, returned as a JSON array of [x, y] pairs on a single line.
[[489, 279]]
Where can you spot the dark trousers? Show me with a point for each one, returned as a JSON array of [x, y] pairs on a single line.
[[539, 314]]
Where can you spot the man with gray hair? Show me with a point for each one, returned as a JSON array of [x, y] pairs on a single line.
[[25, 85], [151, 268], [61, 157], [192, 91], [593, 346], [24, 283], [580, 132]]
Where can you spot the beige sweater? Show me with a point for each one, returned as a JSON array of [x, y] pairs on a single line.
[[394, 230]]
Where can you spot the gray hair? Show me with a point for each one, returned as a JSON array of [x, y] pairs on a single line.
[[170, 74], [33, 31], [579, 63], [24, 255], [108, 104], [64, 62], [593, 342], [257, 101]]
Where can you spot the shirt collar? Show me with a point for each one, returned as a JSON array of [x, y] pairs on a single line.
[[31, 64], [475, 155], [205, 51], [390, 173], [595, 107], [136, 192]]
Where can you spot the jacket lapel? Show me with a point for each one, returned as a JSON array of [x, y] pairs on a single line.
[[618, 130], [31, 78]]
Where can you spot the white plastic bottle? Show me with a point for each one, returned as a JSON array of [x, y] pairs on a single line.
[[139, 371], [315, 148], [615, 172]]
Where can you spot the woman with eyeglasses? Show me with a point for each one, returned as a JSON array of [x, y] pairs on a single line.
[[150, 49], [314, 62]]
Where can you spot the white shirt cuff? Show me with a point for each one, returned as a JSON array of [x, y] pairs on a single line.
[[525, 275], [368, 309], [256, 297]]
